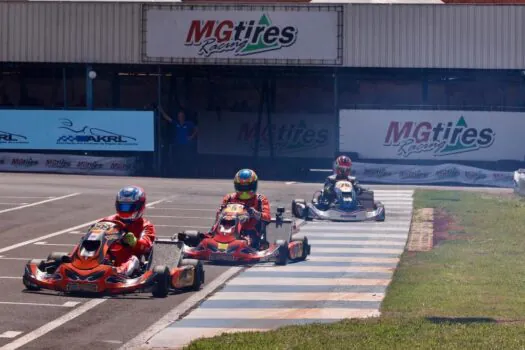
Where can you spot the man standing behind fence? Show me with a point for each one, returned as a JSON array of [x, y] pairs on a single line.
[[183, 146]]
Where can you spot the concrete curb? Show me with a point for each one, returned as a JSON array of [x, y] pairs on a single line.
[[421, 236]]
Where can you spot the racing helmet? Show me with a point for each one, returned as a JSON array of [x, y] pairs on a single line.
[[130, 203], [245, 182], [343, 166]]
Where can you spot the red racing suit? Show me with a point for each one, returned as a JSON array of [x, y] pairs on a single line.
[[259, 203], [144, 231]]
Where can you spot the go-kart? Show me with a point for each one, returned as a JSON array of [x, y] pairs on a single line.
[[89, 268], [224, 242], [348, 205]]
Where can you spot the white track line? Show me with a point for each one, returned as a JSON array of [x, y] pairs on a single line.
[[56, 244], [48, 327], [6, 258], [10, 334], [182, 226], [58, 233], [27, 197], [210, 210], [38, 203], [68, 304]]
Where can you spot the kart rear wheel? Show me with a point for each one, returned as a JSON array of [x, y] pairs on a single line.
[[298, 206], [198, 277], [381, 217], [192, 238], [161, 286], [306, 246], [282, 258]]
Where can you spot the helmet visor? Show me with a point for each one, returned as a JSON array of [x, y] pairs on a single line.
[[127, 207], [249, 187]]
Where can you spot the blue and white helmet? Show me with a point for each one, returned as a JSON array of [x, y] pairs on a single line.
[[130, 203]]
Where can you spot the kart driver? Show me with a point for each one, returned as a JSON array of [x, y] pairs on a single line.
[[130, 204], [342, 169], [245, 183]]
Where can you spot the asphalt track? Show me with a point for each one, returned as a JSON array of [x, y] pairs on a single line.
[[44, 213], [29, 320]]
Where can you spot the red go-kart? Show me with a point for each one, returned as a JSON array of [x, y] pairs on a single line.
[[225, 243], [88, 270]]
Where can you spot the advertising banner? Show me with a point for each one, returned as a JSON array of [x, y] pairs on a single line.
[[429, 174], [443, 135], [227, 34], [77, 130], [67, 164], [294, 135]]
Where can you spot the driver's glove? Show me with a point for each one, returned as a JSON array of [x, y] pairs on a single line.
[[254, 213], [130, 239]]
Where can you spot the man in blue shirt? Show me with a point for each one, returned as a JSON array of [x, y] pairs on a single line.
[[184, 146]]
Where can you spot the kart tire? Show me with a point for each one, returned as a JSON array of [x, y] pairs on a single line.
[[298, 206], [161, 285], [26, 282], [382, 217], [282, 258], [198, 277], [306, 246], [192, 238], [57, 256]]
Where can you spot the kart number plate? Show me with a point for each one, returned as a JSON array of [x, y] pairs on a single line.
[[219, 256], [77, 287]]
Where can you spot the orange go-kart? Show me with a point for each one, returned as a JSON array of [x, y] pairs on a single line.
[[89, 270], [225, 242]]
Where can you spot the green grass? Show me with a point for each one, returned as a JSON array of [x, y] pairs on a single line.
[[472, 280]]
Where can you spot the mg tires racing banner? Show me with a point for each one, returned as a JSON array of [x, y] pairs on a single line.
[[436, 135], [77, 130], [293, 135], [243, 34]]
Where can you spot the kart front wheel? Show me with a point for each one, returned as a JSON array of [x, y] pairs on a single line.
[[161, 286], [30, 286]]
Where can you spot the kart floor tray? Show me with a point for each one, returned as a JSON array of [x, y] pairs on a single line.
[[167, 253]]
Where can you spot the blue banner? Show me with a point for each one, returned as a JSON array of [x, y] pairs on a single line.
[[77, 130]]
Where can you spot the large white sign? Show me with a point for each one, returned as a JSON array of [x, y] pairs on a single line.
[[77, 130], [243, 34], [66, 164], [429, 174], [293, 135], [437, 135]]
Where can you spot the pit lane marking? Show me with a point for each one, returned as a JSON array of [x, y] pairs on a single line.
[[10, 334], [38, 203], [67, 304]]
